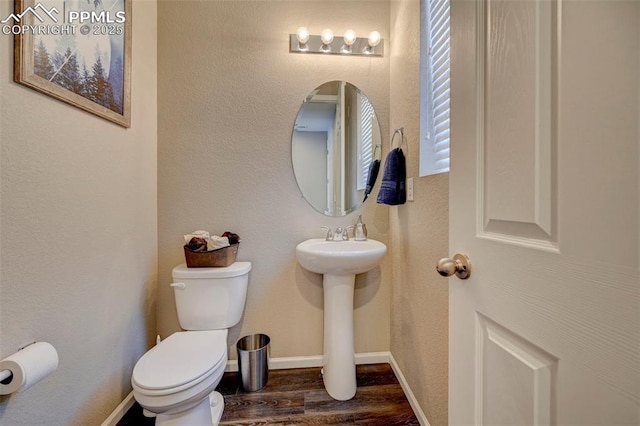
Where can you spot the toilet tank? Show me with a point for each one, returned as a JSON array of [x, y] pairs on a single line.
[[210, 298]]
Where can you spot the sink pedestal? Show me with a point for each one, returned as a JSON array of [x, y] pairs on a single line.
[[339, 262], [339, 367]]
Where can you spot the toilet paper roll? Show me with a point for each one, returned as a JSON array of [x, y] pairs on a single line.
[[28, 366]]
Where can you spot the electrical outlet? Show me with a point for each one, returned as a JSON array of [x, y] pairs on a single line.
[[410, 189]]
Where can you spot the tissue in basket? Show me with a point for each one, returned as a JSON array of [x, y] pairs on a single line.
[[214, 258]]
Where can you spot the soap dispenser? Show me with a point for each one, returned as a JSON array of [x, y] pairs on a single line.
[[360, 233]]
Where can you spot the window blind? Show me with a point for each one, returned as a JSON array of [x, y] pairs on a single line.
[[365, 150], [435, 77]]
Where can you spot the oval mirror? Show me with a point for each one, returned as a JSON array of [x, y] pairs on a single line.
[[335, 138]]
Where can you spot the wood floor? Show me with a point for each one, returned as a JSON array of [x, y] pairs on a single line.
[[298, 397]]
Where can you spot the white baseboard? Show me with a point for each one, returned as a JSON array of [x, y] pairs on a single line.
[[282, 363], [313, 361], [302, 362], [422, 418], [120, 411]]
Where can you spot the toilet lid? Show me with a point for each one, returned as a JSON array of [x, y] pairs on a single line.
[[181, 358]]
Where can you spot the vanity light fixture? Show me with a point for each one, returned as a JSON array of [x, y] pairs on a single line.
[[372, 41], [326, 36], [349, 39], [302, 35], [327, 43]]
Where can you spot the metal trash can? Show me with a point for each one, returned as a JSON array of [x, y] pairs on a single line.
[[253, 361]]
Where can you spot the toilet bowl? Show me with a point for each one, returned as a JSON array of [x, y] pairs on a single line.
[[176, 380], [172, 379]]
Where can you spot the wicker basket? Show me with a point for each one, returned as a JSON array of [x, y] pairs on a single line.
[[215, 258]]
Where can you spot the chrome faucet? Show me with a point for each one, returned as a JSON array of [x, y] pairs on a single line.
[[340, 234]]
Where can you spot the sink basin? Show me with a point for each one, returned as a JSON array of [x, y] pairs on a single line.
[[340, 257], [339, 262]]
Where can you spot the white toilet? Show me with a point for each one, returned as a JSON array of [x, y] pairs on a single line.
[[176, 379]]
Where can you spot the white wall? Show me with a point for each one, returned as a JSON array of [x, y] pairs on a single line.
[[419, 229], [78, 221], [229, 93]]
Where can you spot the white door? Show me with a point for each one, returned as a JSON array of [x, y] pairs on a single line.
[[544, 201]]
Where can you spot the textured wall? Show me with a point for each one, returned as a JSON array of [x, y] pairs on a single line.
[[419, 229], [78, 249], [229, 91]]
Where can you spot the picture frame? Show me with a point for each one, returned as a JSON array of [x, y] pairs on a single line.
[[81, 57]]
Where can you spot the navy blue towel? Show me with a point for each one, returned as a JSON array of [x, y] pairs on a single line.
[[392, 189], [374, 168]]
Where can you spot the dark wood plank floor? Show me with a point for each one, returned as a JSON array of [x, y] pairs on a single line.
[[298, 397]]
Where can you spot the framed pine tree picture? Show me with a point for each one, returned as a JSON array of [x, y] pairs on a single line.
[[77, 51]]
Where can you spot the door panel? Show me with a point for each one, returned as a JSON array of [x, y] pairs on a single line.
[[544, 200], [515, 378], [517, 44]]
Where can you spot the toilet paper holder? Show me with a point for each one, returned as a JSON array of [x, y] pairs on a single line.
[[6, 375], [27, 367]]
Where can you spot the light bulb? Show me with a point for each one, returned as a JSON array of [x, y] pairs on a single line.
[[349, 37], [303, 35], [374, 38], [326, 36]]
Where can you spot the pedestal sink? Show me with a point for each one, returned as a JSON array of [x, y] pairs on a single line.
[[339, 262]]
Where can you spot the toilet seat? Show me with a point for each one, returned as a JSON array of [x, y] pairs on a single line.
[[179, 362]]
